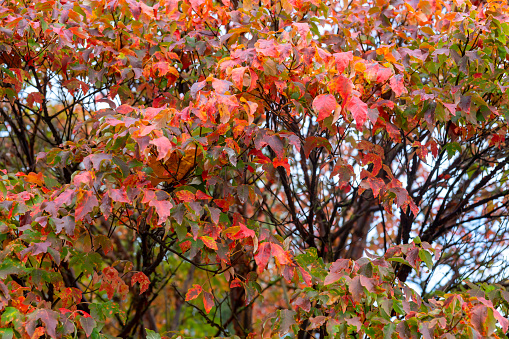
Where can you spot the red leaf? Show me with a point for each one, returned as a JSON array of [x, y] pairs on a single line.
[[266, 47], [325, 104], [118, 195], [283, 163], [375, 160], [202, 196], [142, 279], [397, 85], [376, 185], [451, 108], [238, 77], [124, 109], [306, 276], [359, 110], [244, 232], [186, 196], [85, 204], [221, 86], [341, 85], [209, 242], [163, 146], [194, 292], [368, 283], [282, 257], [162, 208], [49, 318], [343, 60], [197, 86], [262, 256], [235, 283], [304, 304], [208, 301]]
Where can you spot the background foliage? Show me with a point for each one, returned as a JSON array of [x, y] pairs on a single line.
[[304, 169]]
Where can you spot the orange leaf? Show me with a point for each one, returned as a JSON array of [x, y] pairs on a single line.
[[142, 279], [208, 301], [194, 292]]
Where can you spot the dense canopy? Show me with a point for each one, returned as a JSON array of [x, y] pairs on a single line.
[[273, 169]]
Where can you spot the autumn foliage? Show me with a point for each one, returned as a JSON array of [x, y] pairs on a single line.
[[270, 169]]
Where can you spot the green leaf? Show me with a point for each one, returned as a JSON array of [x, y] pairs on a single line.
[[152, 335], [389, 330], [6, 333], [426, 257], [9, 315], [398, 306]]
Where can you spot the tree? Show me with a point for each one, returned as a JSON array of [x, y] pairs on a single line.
[[273, 168]]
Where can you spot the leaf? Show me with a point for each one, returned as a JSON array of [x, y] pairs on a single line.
[[368, 283], [375, 160], [141, 278], [342, 85], [324, 105], [208, 301], [343, 59], [426, 257], [209, 242], [221, 86], [196, 87], [397, 85], [163, 146], [355, 288], [86, 202], [287, 320], [88, 324], [66, 223], [262, 256], [118, 195], [359, 110], [282, 257], [315, 142], [238, 77], [152, 335], [193, 293], [162, 208], [50, 320], [333, 277]]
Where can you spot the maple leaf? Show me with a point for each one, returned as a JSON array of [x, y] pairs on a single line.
[[397, 85], [359, 110], [118, 195], [66, 223], [209, 242], [142, 279], [86, 202], [50, 320], [238, 77], [283, 163], [282, 257], [163, 209], [342, 85], [262, 256], [343, 59], [208, 301], [193, 292], [163, 146], [88, 325], [324, 104]]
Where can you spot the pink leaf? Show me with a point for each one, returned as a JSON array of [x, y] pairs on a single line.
[[397, 85], [359, 110], [324, 104]]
